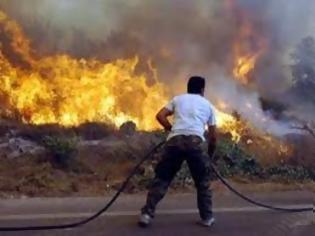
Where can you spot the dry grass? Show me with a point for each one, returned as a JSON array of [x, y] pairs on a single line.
[[88, 131], [38, 177]]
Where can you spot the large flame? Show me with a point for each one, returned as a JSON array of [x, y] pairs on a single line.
[[249, 46], [60, 89], [68, 91], [230, 124]]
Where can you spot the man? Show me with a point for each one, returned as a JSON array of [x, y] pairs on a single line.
[[192, 114]]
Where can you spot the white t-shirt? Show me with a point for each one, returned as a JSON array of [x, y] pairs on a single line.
[[192, 113]]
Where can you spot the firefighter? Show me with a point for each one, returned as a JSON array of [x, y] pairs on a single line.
[[187, 141]]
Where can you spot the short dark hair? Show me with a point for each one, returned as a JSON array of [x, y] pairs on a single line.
[[196, 84]]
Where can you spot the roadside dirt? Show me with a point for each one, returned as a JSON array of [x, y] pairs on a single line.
[[37, 177]]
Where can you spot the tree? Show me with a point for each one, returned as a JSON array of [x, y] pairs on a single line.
[[303, 70]]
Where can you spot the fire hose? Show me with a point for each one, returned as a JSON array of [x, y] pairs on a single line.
[[124, 185]]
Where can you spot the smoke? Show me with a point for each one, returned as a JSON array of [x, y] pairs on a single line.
[[180, 37], [180, 32]]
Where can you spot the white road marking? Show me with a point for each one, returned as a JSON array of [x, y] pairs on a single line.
[[45, 216], [308, 220]]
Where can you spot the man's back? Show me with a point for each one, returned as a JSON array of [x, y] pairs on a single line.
[[192, 112]]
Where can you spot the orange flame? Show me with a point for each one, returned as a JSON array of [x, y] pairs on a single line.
[[229, 124], [68, 91], [248, 48], [64, 90]]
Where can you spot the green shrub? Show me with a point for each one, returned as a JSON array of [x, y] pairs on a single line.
[[94, 130], [233, 160], [289, 173], [37, 133], [62, 148], [183, 177]]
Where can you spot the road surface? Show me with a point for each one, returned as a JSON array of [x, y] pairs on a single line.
[[176, 215]]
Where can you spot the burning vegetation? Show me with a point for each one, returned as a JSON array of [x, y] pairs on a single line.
[[61, 89], [249, 44], [56, 94]]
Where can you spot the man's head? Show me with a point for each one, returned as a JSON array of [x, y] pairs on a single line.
[[196, 85]]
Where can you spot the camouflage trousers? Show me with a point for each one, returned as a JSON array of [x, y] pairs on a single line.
[[177, 150]]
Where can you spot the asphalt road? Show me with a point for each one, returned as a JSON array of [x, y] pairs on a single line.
[[176, 216]]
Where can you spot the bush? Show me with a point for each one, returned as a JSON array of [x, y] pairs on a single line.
[[62, 148], [37, 133], [233, 160], [289, 173], [183, 177], [89, 131], [94, 130]]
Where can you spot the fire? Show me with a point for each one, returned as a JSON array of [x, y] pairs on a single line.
[[68, 91], [285, 149], [248, 47], [228, 123], [243, 66]]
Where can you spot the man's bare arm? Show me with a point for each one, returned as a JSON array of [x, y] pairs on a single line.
[[162, 118], [212, 139]]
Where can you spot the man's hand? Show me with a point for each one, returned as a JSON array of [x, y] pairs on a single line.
[[162, 118]]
